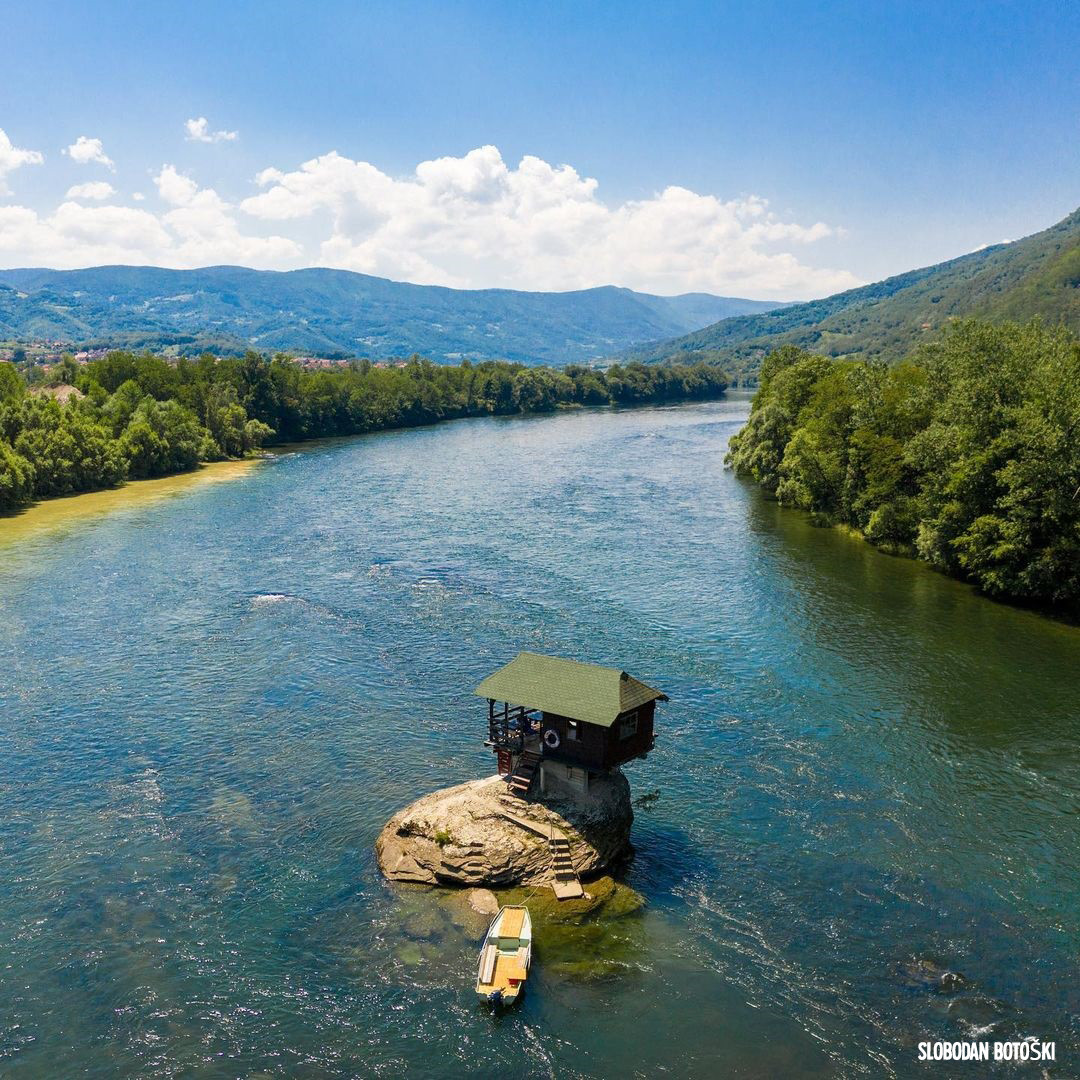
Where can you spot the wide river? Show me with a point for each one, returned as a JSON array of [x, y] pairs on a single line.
[[860, 828]]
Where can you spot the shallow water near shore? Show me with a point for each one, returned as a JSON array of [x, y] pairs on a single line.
[[75, 510], [858, 830]]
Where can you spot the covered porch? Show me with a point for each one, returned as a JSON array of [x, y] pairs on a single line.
[[513, 728]]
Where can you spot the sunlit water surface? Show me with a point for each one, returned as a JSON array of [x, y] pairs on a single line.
[[866, 832]]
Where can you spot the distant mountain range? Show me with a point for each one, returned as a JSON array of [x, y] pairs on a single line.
[[336, 312], [328, 312], [1039, 275]]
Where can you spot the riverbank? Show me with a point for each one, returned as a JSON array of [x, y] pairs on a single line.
[[50, 514], [47, 513], [952, 456], [1065, 617], [141, 416]]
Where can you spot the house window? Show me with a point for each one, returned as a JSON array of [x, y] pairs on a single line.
[[628, 725], [572, 730]]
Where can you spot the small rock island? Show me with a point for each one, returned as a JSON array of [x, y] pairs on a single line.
[[558, 808]]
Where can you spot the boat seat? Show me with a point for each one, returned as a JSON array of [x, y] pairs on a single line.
[[512, 921], [508, 969], [487, 964]]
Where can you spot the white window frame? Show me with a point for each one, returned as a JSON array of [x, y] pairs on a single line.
[[628, 725], [573, 730]]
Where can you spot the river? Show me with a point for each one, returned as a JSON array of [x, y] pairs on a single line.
[[858, 831]]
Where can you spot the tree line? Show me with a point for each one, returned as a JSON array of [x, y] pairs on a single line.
[[141, 415], [966, 455]]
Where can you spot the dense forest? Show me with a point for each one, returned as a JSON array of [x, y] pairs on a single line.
[[1036, 276], [140, 415], [966, 455]]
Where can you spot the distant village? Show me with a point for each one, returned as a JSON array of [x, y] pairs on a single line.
[[45, 353]]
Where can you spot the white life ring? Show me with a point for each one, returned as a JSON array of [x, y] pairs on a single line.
[[551, 739]]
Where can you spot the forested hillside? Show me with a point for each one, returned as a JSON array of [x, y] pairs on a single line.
[[1036, 276], [335, 312], [140, 416], [966, 455]]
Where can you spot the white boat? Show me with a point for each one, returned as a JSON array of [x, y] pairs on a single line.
[[505, 956]]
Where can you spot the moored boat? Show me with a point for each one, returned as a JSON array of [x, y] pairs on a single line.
[[505, 956]]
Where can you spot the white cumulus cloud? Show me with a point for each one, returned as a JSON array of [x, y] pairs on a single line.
[[76, 235], [87, 151], [198, 130], [174, 187], [206, 229], [13, 157], [199, 229], [475, 221], [95, 189]]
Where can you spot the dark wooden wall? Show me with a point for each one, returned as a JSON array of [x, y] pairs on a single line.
[[598, 747], [620, 750], [588, 751]]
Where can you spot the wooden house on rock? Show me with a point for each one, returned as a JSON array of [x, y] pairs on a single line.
[[566, 721]]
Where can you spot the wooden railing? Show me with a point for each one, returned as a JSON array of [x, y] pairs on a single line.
[[508, 726]]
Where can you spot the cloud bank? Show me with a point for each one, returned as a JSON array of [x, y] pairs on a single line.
[[476, 222], [198, 228], [470, 222]]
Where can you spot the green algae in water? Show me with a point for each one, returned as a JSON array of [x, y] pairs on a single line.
[[605, 899], [595, 937], [591, 938]]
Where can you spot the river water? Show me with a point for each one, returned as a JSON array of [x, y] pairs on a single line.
[[859, 829]]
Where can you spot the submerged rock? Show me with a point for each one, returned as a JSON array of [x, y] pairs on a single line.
[[483, 901], [461, 915], [462, 836]]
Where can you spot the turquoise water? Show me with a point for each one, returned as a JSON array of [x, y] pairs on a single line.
[[862, 830]]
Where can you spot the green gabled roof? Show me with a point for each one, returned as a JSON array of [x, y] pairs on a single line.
[[586, 692]]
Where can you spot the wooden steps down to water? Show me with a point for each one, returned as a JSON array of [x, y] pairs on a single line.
[[565, 883]]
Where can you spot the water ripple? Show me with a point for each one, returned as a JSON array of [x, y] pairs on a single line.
[[857, 830]]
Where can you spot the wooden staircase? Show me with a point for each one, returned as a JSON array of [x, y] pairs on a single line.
[[521, 778], [566, 885]]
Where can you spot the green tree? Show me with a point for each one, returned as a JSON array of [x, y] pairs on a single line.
[[16, 478], [68, 450], [180, 442], [12, 386]]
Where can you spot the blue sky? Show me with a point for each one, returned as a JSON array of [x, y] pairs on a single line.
[[756, 149]]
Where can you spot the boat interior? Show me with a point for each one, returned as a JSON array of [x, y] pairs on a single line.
[[503, 965]]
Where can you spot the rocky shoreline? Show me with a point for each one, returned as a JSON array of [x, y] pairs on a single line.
[[466, 836]]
